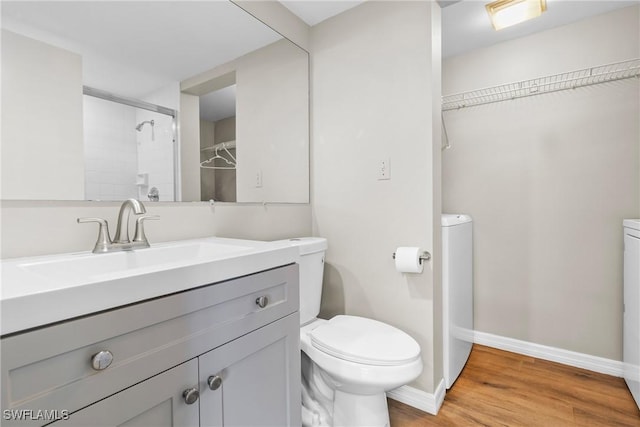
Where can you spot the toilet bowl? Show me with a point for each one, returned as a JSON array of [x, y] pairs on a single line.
[[348, 362]]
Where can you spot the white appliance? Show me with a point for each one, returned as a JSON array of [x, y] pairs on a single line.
[[631, 322], [348, 362], [457, 293]]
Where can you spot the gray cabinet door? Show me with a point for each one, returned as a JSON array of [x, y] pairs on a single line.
[[260, 375], [156, 402]]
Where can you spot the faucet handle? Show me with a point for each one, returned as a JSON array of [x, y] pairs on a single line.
[[139, 235], [104, 240]]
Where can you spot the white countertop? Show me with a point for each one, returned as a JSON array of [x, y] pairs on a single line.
[[37, 291]]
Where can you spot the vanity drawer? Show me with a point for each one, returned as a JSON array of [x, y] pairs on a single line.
[[51, 368]]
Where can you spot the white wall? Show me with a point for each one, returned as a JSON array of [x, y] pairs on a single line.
[[272, 116], [189, 131], [41, 120], [548, 180], [49, 227], [375, 92], [167, 96]]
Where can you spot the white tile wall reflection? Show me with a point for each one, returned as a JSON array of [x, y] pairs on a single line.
[[121, 162], [155, 155]]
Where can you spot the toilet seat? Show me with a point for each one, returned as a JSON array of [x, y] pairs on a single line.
[[365, 341]]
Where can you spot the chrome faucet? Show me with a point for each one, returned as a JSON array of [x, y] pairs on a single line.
[[128, 205], [120, 243]]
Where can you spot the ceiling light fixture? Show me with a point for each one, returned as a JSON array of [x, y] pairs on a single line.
[[505, 13]]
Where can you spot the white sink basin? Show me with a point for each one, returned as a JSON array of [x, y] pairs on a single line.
[[93, 267], [41, 290]]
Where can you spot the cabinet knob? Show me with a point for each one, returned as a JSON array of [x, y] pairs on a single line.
[[214, 381], [101, 360], [262, 301], [191, 395]]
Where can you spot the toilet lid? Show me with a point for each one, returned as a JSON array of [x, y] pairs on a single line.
[[366, 341]]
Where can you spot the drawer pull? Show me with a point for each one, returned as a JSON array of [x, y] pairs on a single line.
[[190, 395], [101, 360], [262, 301], [214, 382]]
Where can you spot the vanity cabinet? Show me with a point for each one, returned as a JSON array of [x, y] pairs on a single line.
[[248, 382], [156, 402], [243, 333]]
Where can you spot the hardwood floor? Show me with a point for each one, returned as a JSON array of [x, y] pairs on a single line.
[[498, 388]]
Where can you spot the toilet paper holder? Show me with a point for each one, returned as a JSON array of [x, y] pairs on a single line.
[[426, 256]]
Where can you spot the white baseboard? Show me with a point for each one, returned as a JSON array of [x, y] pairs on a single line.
[[566, 357], [419, 399]]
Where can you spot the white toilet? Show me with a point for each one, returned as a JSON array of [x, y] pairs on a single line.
[[348, 362]]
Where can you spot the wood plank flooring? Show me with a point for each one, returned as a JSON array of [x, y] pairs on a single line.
[[498, 388]]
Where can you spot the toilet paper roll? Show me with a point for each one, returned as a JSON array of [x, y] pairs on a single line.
[[408, 259]]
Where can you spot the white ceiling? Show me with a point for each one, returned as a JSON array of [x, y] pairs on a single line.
[[315, 11], [465, 24], [173, 40], [134, 47]]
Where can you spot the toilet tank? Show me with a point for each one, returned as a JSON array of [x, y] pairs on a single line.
[[311, 262]]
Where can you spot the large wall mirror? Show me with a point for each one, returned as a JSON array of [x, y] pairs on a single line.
[[158, 100]]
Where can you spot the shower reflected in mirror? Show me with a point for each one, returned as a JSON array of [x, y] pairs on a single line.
[[129, 151], [152, 123]]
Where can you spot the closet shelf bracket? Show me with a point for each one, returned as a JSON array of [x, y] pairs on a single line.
[[554, 83]]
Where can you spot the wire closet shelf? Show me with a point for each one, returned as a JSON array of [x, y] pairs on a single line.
[[571, 80]]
